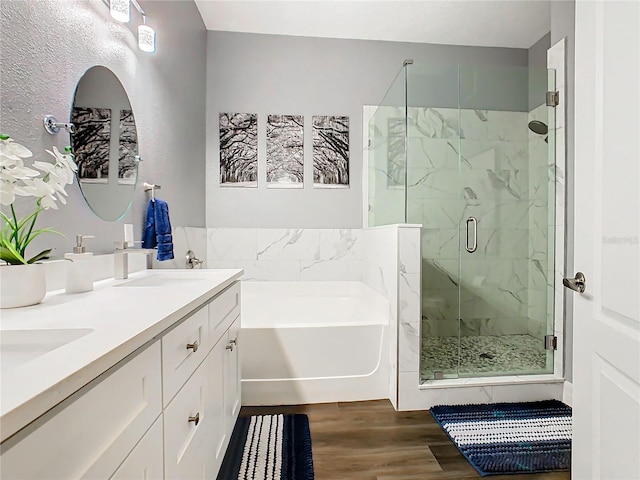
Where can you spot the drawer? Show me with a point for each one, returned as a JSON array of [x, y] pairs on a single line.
[[183, 349], [90, 434], [189, 445], [223, 310]]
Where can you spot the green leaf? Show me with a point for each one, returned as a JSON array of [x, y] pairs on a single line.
[[4, 136], [35, 233], [6, 218], [9, 254], [40, 256], [23, 221], [6, 232]]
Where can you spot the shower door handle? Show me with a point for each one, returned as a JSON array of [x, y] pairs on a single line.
[[474, 246]]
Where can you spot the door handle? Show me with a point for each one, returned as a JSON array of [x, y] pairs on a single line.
[[474, 247], [577, 284]]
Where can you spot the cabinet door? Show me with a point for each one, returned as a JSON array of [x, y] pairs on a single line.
[[217, 367], [145, 461], [232, 377], [89, 436], [190, 426]]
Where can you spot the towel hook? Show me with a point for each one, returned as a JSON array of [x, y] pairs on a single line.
[[152, 188]]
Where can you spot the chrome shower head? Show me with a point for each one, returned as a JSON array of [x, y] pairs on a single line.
[[536, 126]]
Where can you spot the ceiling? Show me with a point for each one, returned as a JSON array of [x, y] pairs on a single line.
[[494, 23]]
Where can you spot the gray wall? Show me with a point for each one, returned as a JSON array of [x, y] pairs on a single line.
[[538, 78], [563, 25], [267, 74], [47, 45]]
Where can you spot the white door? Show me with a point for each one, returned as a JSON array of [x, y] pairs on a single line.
[[606, 390]]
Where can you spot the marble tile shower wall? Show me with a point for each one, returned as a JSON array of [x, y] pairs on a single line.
[[471, 163], [287, 254]]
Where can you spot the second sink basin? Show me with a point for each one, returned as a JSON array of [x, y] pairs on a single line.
[[21, 346]]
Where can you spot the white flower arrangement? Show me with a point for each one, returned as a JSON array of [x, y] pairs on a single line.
[[46, 183]]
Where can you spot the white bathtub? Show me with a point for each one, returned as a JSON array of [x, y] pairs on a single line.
[[312, 342]]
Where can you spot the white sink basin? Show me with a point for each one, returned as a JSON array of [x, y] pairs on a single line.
[[160, 281], [21, 346]]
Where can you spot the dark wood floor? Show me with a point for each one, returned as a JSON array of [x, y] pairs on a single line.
[[371, 441]]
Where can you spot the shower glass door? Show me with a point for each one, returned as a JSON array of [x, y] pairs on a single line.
[[481, 180], [506, 229]]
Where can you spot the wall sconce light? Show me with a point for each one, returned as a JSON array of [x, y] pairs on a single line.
[[120, 10], [146, 37]]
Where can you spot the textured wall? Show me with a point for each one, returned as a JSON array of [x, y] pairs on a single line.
[[271, 74], [47, 45]]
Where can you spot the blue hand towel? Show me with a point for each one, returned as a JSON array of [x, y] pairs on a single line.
[[157, 229]]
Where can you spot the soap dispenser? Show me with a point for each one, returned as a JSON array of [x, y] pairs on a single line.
[[80, 268]]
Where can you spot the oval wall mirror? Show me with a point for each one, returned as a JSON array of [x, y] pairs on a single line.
[[105, 143]]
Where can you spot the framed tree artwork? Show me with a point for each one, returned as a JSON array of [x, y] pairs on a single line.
[[330, 152], [285, 151], [238, 149]]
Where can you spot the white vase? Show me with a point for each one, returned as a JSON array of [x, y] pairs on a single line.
[[22, 285]]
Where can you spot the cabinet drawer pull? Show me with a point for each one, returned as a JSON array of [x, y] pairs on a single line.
[[229, 347], [194, 346], [234, 341], [195, 419]]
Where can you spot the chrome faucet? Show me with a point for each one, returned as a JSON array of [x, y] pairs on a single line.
[[121, 258], [192, 261]]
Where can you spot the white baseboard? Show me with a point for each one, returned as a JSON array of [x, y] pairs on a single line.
[[567, 394]]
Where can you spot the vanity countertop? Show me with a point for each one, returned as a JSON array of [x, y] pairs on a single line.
[[109, 323]]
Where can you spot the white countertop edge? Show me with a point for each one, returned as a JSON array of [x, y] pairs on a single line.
[[16, 416]]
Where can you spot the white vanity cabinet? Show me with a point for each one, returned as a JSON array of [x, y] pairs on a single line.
[[165, 411], [91, 433], [198, 421]]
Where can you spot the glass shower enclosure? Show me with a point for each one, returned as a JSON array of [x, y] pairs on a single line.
[[468, 152]]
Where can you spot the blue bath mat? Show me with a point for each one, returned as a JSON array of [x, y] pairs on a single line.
[[269, 447], [503, 438]]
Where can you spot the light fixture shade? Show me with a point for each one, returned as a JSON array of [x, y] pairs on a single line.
[[120, 10], [146, 38]]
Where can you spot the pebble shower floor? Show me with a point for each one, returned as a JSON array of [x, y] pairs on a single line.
[[503, 354]]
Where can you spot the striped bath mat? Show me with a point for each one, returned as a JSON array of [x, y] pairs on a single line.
[[269, 447], [504, 438]]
